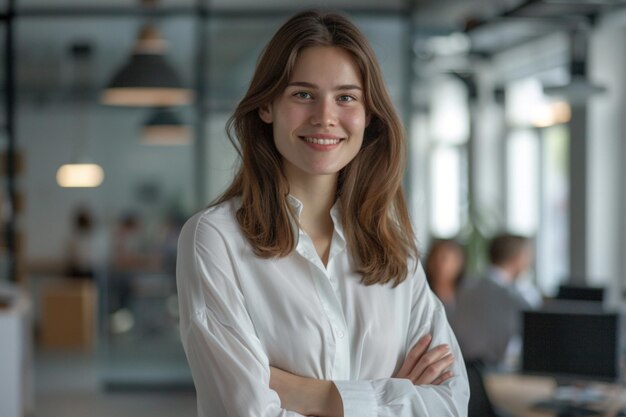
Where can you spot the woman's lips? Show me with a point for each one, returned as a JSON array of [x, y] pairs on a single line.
[[322, 143]]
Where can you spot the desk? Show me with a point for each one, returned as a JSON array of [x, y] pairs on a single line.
[[515, 394]]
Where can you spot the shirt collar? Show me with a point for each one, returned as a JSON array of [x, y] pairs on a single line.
[[295, 204], [499, 276], [335, 214]]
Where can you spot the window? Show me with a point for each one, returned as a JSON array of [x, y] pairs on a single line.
[[449, 133], [537, 181], [522, 165]]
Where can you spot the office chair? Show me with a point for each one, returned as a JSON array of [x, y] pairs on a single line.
[[479, 403]]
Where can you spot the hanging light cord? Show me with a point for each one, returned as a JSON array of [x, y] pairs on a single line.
[[81, 86]]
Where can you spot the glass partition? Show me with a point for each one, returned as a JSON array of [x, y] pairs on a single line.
[[121, 235]]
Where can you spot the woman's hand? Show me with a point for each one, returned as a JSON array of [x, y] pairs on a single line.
[[307, 396], [424, 367]]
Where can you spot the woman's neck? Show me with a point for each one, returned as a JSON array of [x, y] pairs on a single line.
[[317, 195]]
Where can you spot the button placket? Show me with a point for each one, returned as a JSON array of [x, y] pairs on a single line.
[[341, 365], [330, 299], [340, 333]]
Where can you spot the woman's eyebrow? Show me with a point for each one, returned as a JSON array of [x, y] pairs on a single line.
[[315, 87]]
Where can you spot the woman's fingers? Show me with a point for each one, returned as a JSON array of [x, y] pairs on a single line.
[[443, 378], [423, 366], [414, 356], [432, 366]]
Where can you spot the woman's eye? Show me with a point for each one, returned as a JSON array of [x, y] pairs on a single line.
[[346, 98], [302, 94]]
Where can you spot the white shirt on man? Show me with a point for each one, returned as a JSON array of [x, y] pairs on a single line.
[[241, 314]]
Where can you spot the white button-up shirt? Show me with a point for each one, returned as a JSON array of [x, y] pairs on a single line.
[[241, 314]]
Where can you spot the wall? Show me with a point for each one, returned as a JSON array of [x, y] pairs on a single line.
[[47, 134]]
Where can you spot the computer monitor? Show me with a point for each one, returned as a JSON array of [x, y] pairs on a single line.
[[580, 293], [572, 345]]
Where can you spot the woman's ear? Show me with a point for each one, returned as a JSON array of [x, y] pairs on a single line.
[[368, 119], [265, 113]]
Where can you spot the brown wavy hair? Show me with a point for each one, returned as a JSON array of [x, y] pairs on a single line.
[[374, 214]]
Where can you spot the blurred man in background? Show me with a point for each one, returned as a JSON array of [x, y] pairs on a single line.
[[486, 319]]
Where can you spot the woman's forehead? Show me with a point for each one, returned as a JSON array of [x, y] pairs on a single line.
[[325, 66]]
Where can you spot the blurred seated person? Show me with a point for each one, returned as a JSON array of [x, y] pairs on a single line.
[[131, 256], [169, 242], [486, 319], [128, 248], [134, 248], [445, 265], [82, 246]]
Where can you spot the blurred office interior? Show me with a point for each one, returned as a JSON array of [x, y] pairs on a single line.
[[515, 118]]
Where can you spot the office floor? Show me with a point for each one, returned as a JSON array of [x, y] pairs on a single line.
[[66, 384]]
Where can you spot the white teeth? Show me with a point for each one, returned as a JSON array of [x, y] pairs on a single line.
[[322, 141]]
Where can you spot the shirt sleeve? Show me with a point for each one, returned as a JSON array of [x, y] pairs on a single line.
[[399, 397], [229, 366]]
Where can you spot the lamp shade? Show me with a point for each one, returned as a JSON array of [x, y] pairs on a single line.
[[164, 127], [146, 79], [579, 90], [80, 175]]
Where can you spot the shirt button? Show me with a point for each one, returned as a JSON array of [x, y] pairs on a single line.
[[340, 333]]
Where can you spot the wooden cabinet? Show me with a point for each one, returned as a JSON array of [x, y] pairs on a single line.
[[68, 314]]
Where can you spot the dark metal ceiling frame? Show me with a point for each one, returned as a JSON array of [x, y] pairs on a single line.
[[574, 15], [9, 216], [201, 111], [200, 9], [528, 4]]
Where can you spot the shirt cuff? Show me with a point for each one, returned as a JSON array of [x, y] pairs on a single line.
[[358, 398]]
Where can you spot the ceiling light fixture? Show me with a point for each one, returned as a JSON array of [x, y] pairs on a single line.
[[80, 172], [80, 175], [580, 88], [164, 127], [147, 79]]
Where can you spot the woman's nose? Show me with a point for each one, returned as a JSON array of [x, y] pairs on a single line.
[[324, 113]]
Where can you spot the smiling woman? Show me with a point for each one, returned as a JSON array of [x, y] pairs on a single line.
[[319, 120], [300, 289]]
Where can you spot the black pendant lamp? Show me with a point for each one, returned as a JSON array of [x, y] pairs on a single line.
[[146, 79], [580, 88], [165, 127]]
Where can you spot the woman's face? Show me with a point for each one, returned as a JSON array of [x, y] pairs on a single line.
[[446, 263], [319, 119]]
